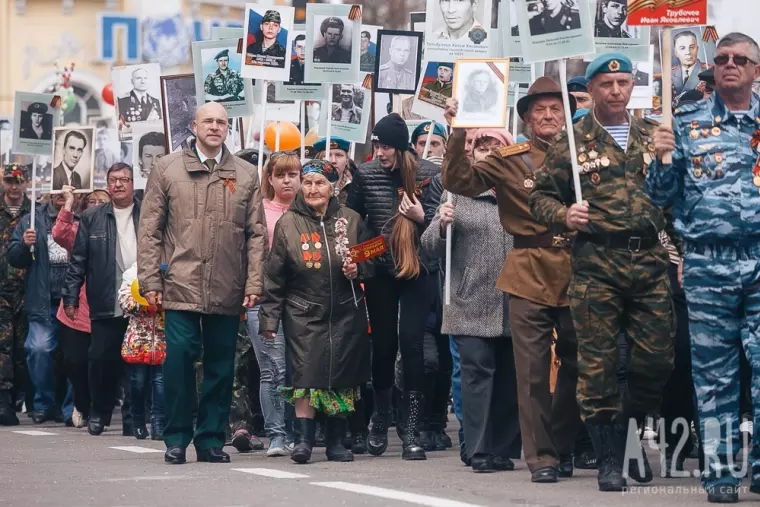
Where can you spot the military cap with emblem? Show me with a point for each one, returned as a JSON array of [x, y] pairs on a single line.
[[37, 107], [424, 128], [542, 87], [336, 143], [609, 63], [225, 53], [446, 64], [578, 84], [271, 16], [14, 172]]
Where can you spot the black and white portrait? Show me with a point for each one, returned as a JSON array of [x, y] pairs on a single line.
[[348, 101], [35, 119], [455, 20], [107, 148], [148, 146], [73, 158], [552, 16], [138, 92], [611, 17], [332, 40], [398, 63], [481, 88], [180, 101]]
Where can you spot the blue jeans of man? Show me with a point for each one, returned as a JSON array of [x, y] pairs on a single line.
[[272, 364], [722, 285], [142, 378], [40, 345], [456, 386]]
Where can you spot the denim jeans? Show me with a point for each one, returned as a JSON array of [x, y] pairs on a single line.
[[456, 386], [271, 357], [139, 376], [40, 345]]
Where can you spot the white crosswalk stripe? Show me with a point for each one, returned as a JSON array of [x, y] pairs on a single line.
[[392, 494], [136, 449], [34, 433], [269, 472]]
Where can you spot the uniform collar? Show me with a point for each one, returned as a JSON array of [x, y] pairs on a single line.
[[720, 112]]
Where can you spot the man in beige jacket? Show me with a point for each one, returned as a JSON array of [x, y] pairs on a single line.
[[202, 215]]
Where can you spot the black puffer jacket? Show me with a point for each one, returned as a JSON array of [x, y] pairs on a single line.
[[374, 195]]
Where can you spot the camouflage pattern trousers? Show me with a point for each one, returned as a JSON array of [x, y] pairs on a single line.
[[722, 285], [614, 291], [13, 330]]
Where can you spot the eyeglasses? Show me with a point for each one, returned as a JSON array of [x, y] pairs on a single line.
[[96, 202], [123, 181], [739, 60]]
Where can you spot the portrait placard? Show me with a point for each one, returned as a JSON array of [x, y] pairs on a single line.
[[667, 12], [612, 32], [480, 86], [137, 89], [435, 87], [216, 80], [269, 31], [73, 158], [456, 29], [690, 54], [554, 29], [35, 120], [107, 153], [180, 103], [417, 23], [334, 43], [296, 88], [510, 34], [398, 63], [349, 112], [642, 95], [227, 32], [283, 110], [369, 49], [148, 146]]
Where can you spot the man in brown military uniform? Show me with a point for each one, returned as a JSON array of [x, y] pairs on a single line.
[[620, 269], [535, 275]]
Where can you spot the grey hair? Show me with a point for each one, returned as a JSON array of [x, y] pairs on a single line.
[[734, 38]]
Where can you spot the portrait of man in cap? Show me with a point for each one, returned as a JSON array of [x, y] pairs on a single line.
[[436, 92], [328, 47], [611, 16], [266, 49], [38, 124], [225, 84], [367, 60], [551, 16], [137, 104]]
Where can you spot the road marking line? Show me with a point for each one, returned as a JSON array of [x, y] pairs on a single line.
[[268, 472], [392, 494], [34, 433], [136, 449], [149, 478]]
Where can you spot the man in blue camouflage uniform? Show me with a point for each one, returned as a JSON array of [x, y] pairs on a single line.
[[714, 183]]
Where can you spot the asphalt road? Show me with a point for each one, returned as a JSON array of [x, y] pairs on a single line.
[[58, 466]]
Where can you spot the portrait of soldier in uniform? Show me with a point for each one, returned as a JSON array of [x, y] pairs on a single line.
[[266, 50], [397, 73], [553, 16], [611, 16], [38, 124], [224, 85], [345, 109], [436, 92], [138, 105], [367, 60], [297, 64], [331, 51], [686, 72]]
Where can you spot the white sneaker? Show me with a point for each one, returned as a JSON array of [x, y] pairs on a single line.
[[277, 447], [747, 427], [78, 419]]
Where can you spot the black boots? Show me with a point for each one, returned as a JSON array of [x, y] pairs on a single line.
[[303, 432], [334, 432], [609, 444], [377, 440], [412, 450], [7, 410]]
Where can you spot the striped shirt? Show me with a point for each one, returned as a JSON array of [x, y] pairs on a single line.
[[619, 133]]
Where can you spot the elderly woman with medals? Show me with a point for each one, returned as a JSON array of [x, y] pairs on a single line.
[[311, 286]]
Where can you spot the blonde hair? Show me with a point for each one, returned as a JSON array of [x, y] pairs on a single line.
[[278, 164], [404, 241]]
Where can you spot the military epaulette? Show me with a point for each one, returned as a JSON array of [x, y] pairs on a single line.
[[515, 149], [650, 121], [687, 108]]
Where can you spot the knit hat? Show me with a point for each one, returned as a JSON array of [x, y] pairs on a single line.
[[500, 135], [392, 131], [322, 167]]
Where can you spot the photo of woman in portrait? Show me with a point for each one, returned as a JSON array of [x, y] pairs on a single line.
[[481, 93]]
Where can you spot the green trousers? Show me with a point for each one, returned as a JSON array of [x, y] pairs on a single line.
[[188, 334]]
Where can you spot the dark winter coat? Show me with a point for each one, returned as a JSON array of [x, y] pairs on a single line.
[[325, 328]]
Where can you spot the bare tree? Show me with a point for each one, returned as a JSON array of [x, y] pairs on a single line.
[[392, 14]]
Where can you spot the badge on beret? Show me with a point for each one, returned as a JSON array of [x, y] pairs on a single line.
[[614, 66], [426, 128]]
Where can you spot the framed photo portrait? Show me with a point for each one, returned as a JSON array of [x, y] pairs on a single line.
[[456, 29], [612, 32], [433, 90], [73, 158], [334, 42], [137, 89], [554, 29], [398, 62], [349, 112], [148, 146], [296, 88], [691, 55], [480, 86], [34, 120], [269, 32], [180, 104], [216, 80]]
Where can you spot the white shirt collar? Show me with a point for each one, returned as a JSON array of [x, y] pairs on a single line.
[[69, 172], [202, 156]]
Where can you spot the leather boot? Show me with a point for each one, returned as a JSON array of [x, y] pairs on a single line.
[[7, 411], [303, 434], [609, 451], [412, 450], [334, 432], [377, 440]]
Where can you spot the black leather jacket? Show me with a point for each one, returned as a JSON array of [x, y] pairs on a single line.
[[374, 195], [94, 259]]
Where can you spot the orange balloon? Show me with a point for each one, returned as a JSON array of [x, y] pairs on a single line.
[[290, 136], [312, 137], [107, 94]]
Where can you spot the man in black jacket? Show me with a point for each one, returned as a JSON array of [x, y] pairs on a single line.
[[105, 247]]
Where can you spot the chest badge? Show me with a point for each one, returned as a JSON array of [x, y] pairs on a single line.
[[529, 183], [596, 178]]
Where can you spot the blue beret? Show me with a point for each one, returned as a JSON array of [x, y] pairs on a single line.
[[225, 53], [579, 115], [521, 139], [577, 84], [336, 143], [424, 128], [609, 63]]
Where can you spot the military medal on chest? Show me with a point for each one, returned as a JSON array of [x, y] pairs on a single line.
[[755, 143], [313, 258]]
